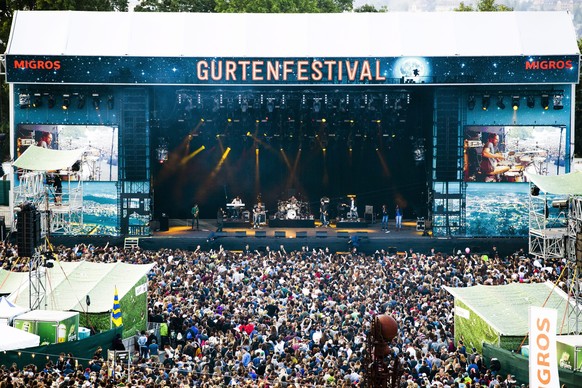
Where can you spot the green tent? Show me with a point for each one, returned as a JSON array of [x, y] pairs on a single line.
[[69, 284], [498, 315]]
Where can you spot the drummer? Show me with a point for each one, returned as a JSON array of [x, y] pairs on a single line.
[[490, 158]]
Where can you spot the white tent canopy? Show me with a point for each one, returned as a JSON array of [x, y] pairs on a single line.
[[16, 339], [9, 310], [384, 34], [506, 307], [71, 282], [570, 184], [44, 159]]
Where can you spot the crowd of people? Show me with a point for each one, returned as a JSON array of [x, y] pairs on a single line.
[[293, 319]]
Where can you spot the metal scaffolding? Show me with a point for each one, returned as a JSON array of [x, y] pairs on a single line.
[[61, 212]]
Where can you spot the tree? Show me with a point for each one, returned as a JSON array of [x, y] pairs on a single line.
[[176, 6], [483, 6], [284, 6], [370, 9]]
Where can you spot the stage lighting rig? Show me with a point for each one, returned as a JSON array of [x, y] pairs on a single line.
[[558, 101], [531, 101], [471, 103], [81, 101], [485, 102], [545, 101], [66, 101], [37, 101], [110, 102], [51, 101], [24, 100], [96, 100], [515, 102], [500, 103]]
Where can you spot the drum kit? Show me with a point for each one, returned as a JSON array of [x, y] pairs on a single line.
[[292, 210], [519, 161]]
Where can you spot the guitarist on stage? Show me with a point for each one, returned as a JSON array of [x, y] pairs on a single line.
[[195, 216]]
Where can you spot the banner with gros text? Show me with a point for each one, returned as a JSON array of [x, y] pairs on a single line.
[[366, 71], [543, 362]]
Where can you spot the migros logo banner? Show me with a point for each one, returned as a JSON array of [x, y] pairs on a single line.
[[549, 65], [34, 64]]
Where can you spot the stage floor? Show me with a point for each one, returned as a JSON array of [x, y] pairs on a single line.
[[364, 237]]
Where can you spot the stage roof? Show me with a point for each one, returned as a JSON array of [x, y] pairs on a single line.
[[388, 34], [569, 184]]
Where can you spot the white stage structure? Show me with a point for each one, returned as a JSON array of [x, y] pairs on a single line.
[[37, 168]]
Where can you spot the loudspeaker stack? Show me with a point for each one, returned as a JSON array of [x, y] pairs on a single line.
[[28, 230]]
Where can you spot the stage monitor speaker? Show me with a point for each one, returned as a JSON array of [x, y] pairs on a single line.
[[301, 234], [343, 234], [28, 230], [321, 233], [280, 233], [241, 233], [261, 233], [164, 223]]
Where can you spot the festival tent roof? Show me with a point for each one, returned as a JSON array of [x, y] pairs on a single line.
[[71, 282], [570, 184], [349, 34], [44, 159], [16, 339], [9, 310], [506, 308]]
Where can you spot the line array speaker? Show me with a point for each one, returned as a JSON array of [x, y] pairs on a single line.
[[28, 230]]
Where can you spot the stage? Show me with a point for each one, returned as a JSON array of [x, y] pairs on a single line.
[[367, 238]]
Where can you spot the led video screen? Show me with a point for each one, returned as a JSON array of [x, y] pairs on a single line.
[[505, 153], [99, 142]]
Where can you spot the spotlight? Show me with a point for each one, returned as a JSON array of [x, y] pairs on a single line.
[[500, 103], [81, 101], [270, 105], [66, 101], [471, 103], [558, 101], [531, 101], [485, 102], [316, 105], [51, 101], [545, 101], [515, 102], [110, 102], [24, 100], [244, 105], [37, 100], [96, 101]]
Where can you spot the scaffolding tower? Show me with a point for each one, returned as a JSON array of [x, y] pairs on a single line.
[[555, 233], [60, 212]]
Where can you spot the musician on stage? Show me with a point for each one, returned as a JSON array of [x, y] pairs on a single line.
[[490, 157], [195, 216], [236, 208], [258, 210], [353, 212], [323, 211]]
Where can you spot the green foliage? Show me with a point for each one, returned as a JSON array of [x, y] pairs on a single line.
[[176, 6], [283, 6], [370, 8], [483, 6], [464, 8]]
